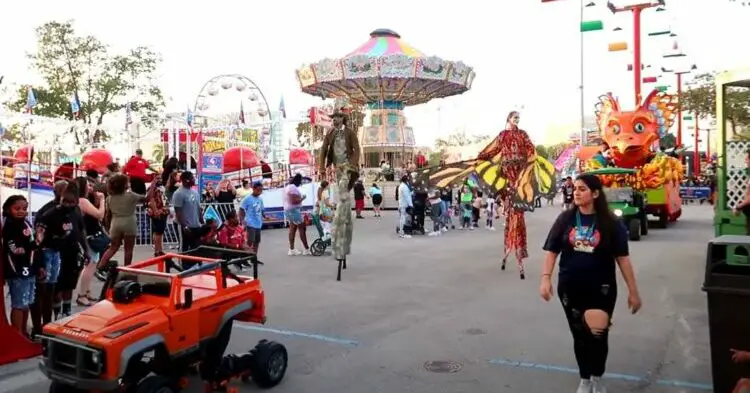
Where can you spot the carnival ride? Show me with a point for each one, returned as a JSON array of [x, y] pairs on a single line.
[[633, 138], [386, 74]]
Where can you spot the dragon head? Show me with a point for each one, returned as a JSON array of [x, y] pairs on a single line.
[[631, 134]]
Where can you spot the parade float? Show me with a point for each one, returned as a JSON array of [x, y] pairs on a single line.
[[386, 74], [633, 139]]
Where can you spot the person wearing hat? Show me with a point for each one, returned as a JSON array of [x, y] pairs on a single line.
[[135, 169], [341, 150], [591, 244]]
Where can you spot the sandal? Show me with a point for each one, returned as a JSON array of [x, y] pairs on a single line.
[[82, 300]]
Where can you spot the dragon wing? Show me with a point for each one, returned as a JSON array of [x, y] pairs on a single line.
[[603, 109], [664, 106]]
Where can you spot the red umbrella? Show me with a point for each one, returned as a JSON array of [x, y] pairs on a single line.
[[300, 157], [238, 158], [96, 159], [24, 154]]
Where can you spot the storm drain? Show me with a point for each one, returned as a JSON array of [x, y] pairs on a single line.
[[475, 332], [442, 366]]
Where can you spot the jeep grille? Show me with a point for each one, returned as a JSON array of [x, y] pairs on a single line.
[[72, 358]]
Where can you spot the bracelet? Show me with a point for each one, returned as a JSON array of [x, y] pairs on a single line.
[[547, 274]]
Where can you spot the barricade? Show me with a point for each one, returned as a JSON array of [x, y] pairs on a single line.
[[172, 231]]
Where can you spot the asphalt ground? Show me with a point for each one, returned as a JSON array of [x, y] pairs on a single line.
[[406, 302]]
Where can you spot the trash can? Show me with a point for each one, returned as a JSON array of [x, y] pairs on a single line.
[[727, 285]]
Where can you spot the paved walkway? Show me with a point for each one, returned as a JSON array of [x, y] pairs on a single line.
[[405, 302]]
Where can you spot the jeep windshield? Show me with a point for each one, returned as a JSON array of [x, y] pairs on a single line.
[[624, 194], [151, 282]]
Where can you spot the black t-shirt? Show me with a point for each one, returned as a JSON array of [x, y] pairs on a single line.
[[18, 247], [359, 191], [62, 229], [446, 194], [595, 266], [567, 192]]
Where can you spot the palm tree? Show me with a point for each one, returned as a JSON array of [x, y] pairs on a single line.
[[157, 152]]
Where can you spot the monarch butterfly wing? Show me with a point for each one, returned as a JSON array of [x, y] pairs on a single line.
[[524, 195], [451, 174], [489, 175], [544, 176]]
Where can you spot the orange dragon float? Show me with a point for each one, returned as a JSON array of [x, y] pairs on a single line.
[[632, 139]]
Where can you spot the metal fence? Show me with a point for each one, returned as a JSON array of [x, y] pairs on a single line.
[[172, 231]]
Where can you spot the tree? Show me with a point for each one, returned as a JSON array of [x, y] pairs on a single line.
[[157, 152], [12, 137], [307, 135], [78, 68], [435, 157], [541, 150], [458, 138], [701, 102]]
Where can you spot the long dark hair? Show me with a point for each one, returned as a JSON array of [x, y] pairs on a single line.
[[605, 220], [82, 183]]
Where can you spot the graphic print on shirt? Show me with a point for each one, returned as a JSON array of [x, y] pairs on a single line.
[[583, 239]]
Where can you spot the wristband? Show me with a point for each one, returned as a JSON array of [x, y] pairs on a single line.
[[547, 274]]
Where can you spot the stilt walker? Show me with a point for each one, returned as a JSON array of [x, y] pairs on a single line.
[[341, 150], [509, 164]]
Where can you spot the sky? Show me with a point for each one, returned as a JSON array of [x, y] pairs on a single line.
[[526, 54]]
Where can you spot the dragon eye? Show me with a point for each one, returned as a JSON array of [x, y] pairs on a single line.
[[615, 128], [639, 127]]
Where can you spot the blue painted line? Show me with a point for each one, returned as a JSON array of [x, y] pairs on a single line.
[[623, 377], [290, 333]]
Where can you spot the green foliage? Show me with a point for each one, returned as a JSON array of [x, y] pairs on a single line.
[[458, 138], [157, 153], [82, 66], [307, 135], [554, 151], [541, 151], [434, 158], [700, 100], [12, 137]]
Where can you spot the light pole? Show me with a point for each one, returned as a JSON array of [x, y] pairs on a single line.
[[679, 74], [636, 8]]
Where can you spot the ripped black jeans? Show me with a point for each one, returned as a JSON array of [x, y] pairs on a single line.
[[577, 297]]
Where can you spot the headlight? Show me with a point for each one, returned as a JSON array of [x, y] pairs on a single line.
[[618, 212], [96, 357]]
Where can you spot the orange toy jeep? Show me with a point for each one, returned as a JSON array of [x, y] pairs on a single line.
[[153, 326]]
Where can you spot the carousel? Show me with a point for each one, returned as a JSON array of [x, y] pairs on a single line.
[[386, 74]]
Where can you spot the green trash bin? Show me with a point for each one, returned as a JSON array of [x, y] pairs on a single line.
[[727, 286]]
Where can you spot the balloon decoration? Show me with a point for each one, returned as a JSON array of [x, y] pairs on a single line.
[[300, 157], [238, 158], [96, 159], [25, 154]]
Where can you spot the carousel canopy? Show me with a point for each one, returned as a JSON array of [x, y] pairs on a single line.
[[386, 69]]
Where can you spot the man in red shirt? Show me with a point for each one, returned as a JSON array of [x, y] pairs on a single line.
[[421, 160], [135, 169]]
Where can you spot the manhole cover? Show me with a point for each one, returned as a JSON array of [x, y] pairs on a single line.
[[442, 366], [475, 331]]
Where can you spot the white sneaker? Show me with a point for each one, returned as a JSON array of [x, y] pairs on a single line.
[[471, 228], [435, 233], [597, 386], [491, 228], [445, 229], [306, 252], [584, 386], [405, 236], [292, 252]]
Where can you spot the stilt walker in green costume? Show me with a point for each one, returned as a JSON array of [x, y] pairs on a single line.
[[341, 150]]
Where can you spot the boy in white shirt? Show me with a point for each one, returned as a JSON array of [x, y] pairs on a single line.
[[490, 208]]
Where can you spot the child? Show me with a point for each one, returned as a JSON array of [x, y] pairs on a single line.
[[476, 208], [490, 209], [208, 232], [232, 234], [466, 215], [436, 213], [20, 269]]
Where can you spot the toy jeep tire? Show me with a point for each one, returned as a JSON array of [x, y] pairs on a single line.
[[156, 384], [57, 387], [270, 361]]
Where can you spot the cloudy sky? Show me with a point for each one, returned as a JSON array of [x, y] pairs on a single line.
[[525, 53]]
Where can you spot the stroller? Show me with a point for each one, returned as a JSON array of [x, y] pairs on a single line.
[[412, 226], [319, 246]]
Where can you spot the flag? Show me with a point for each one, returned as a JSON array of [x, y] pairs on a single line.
[[189, 117], [282, 108], [242, 114], [75, 106], [128, 115], [30, 101]]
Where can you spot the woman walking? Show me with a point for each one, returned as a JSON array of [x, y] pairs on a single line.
[[92, 207], [293, 198], [158, 212], [123, 228], [590, 243]]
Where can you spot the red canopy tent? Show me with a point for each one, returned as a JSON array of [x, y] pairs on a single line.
[[24, 154], [299, 156], [96, 159], [239, 158]]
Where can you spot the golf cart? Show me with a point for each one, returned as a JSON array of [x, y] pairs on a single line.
[[626, 203]]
